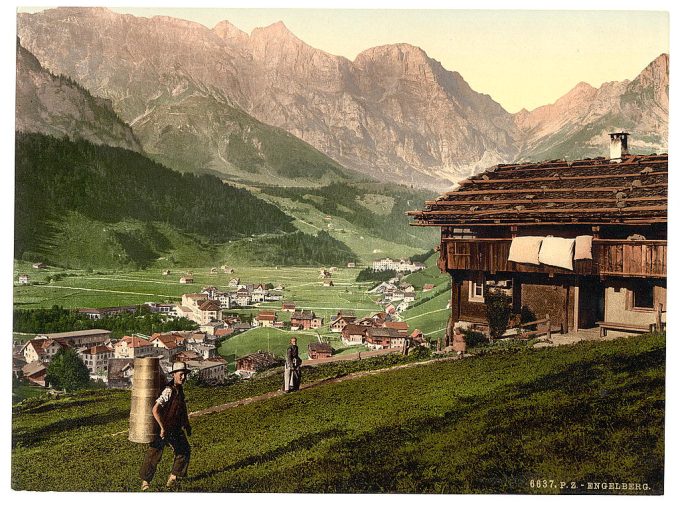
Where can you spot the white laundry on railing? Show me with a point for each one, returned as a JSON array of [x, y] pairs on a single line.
[[554, 251], [525, 249], [557, 252], [583, 249]]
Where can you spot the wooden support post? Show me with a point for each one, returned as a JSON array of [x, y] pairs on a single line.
[[549, 325], [659, 324], [577, 296], [596, 232], [456, 285], [516, 295], [565, 322]]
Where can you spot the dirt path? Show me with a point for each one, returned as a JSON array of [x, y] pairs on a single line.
[[327, 381]]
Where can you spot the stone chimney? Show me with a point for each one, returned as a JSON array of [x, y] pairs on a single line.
[[618, 146]]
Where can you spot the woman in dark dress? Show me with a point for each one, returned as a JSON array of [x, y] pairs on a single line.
[[292, 371]]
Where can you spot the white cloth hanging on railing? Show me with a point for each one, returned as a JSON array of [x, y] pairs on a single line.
[[525, 250], [583, 250], [557, 252]]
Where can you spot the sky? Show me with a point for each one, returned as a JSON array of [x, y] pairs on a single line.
[[521, 58]]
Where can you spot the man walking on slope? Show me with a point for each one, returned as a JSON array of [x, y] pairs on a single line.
[[170, 412], [292, 370]]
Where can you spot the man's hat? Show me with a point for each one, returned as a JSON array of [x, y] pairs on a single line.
[[179, 366]]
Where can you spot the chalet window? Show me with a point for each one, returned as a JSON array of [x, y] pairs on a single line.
[[642, 296], [476, 293]]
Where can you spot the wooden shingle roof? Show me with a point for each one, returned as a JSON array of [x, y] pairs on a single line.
[[588, 191]]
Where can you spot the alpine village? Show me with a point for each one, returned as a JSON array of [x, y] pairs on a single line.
[[478, 298]]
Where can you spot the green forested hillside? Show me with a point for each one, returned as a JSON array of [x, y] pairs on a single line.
[[77, 183], [82, 205], [377, 209], [291, 249], [592, 412]]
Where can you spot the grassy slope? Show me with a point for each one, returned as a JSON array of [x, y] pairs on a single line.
[[589, 412], [369, 218]]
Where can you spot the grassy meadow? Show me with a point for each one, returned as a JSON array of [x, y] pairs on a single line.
[[277, 341], [79, 288], [493, 423]]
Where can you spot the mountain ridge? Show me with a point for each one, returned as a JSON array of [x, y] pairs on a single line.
[[58, 106], [393, 113]]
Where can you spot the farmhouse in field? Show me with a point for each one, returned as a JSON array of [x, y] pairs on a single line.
[[319, 350], [248, 365], [23, 279], [581, 241], [242, 327], [353, 334], [264, 319], [185, 280], [303, 320], [289, 307]]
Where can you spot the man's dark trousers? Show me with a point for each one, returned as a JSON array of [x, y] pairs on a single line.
[[180, 445]]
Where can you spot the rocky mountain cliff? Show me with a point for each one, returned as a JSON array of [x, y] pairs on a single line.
[[57, 106], [190, 94], [576, 125]]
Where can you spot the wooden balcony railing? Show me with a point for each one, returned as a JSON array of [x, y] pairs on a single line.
[[629, 258]]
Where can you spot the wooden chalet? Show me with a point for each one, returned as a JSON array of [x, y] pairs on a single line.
[[354, 334], [382, 337], [35, 372], [254, 362], [288, 306], [341, 320], [303, 319], [265, 319], [120, 373], [319, 350], [581, 241]]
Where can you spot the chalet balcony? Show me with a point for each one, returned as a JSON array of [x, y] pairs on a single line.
[[626, 258]]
